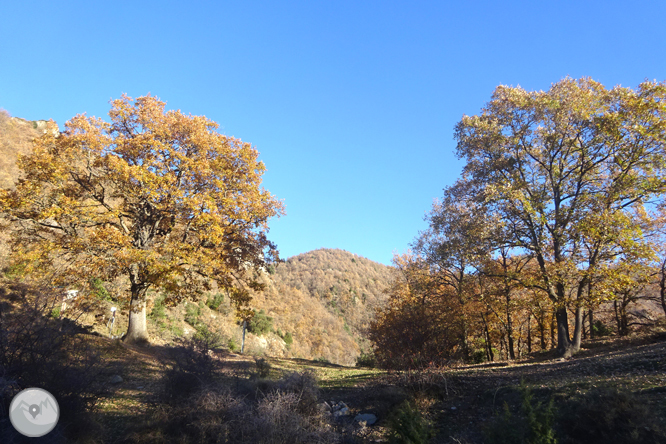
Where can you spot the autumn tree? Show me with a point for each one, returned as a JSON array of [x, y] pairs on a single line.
[[420, 325], [568, 172], [156, 196]]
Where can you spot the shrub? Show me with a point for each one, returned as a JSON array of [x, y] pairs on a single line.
[[100, 291], [233, 345], [263, 367], [215, 301], [610, 416], [288, 339], [532, 425], [260, 323], [366, 360], [188, 367], [600, 329], [285, 412], [192, 312], [408, 426], [38, 350]]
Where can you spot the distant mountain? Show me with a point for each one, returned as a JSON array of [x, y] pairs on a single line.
[[325, 298]]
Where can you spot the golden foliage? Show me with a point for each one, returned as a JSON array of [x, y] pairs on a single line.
[[154, 195]]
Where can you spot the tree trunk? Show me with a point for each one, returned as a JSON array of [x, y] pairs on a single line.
[[509, 328], [243, 340], [489, 346], [529, 334], [578, 329], [584, 330], [565, 348], [137, 331], [591, 320], [553, 324], [662, 286]]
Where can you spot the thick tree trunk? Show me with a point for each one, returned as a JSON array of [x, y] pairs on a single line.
[[137, 330], [591, 320], [565, 348]]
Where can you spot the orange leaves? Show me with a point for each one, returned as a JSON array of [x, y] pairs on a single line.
[[153, 189]]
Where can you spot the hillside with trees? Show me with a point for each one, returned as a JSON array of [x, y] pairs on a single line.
[[327, 298]]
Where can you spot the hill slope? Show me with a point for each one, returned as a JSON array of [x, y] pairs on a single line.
[[326, 299]]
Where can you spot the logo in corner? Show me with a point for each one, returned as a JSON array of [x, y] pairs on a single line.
[[34, 412]]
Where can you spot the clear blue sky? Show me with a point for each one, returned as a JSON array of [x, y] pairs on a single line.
[[351, 104]]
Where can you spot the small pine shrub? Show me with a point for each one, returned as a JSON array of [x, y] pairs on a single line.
[[192, 312], [100, 291], [260, 324], [366, 360], [600, 329], [215, 301], [233, 345], [532, 425], [407, 425], [263, 367], [158, 312], [288, 339]]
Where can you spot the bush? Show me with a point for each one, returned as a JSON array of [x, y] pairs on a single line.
[[188, 367], [532, 425], [233, 345], [610, 416], [408, 426], [366, 360], [38, 350], [100, 291], [600, 329], [285, 412], [192, 313], [260, 324], [215, 301], [288, 339], [263, 367]]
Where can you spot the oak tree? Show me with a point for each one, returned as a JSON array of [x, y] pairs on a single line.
[[157, 196], [568, 171]]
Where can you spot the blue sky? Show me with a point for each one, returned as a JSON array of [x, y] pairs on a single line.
[[351, 104]]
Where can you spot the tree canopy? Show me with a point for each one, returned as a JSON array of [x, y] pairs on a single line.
[[554, 202], [156, 196]]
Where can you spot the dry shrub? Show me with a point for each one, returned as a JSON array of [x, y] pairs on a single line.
[[610, 416], [38, 349], [188, 367], [285, 413]]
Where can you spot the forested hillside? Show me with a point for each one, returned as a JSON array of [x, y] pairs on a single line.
[[327, 298]]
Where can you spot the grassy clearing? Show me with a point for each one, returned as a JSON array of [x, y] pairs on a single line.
[[330, 376]]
